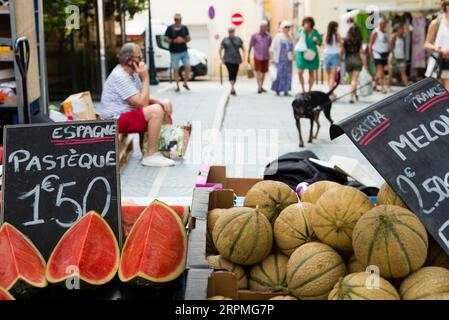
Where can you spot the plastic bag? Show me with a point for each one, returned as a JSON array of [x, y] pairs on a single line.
[[273, 71], [365, 83], [301, 45]]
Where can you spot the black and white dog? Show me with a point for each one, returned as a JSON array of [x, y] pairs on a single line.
[[309, 106]]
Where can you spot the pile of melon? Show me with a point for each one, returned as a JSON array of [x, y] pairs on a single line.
[[333, 243]]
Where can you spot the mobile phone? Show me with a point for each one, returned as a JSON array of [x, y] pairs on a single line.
[[132, 63]]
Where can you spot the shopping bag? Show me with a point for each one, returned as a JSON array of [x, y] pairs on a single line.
[[173, 140], [250, 71], [273, 72], [301, 45], [365, 83]]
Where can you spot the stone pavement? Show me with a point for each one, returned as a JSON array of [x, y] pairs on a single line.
[[198, 107], [255, 129]]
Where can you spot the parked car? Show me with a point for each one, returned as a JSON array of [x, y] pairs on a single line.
[[198, 59]]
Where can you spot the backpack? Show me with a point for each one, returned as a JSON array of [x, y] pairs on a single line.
[[295, 168]]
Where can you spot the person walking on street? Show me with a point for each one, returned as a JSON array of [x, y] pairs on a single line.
[[177, 35], [231, 54], [397, 56], [354, 58], [437, 42], [126, 98], [332, 48], [261, 42], [282, 55], [307, 51], [379, 51]]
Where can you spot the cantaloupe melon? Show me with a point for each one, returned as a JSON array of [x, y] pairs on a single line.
[[284, 298], [243, 236], [313, 193], [270, 274], [363, 286], [391, 238], [270, 198], [336, 214], [218, 298], [220, 263], [212, 218], [436, 256], [428, 283], [354, 266], [293, 228], [313, 270], [387, 196]]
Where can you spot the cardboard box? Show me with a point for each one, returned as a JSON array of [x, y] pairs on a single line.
[[215, 190], [225, 284], [212, 179], [82, 106]]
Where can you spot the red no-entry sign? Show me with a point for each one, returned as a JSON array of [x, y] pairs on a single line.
[[237, 19]]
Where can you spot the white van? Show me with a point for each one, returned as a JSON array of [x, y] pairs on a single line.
[[198, 59]]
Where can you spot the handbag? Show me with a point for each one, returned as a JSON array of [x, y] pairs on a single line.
[[309, 55], [250, 71]]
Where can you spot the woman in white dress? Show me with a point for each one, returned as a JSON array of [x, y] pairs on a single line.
[[379, 51], [438, 41]]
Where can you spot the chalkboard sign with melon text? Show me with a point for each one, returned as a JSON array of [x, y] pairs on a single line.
[[406, 139]]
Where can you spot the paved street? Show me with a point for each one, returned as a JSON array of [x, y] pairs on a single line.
[[255, 129]]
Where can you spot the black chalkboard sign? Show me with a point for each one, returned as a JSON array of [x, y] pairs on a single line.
[[406, 138], [55, 173]]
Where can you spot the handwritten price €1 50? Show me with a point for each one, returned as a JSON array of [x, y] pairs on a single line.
[[52, 184], [437, 185]]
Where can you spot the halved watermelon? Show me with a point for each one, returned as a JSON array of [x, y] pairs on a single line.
[[156, 249], [5, 295], [22, 267], [91, 247], [130, 213], [183, 212]]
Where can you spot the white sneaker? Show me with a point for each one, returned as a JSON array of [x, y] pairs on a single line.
[[157, 160]]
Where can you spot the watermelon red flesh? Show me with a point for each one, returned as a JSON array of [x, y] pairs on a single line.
[[91, 246], [131, 213], [5, 295], [155, 250], [19, 260]]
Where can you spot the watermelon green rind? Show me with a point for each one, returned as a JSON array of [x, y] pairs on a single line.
[[5, 295], [141, 278], [21, 285], [104, 280]]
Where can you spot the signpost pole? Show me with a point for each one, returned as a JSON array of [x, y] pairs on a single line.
[[153, 75]]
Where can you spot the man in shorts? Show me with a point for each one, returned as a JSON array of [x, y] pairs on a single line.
[[177, 35], [126, 98], [261, 42]]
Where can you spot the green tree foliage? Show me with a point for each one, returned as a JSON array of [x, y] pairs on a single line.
[[55, 15]]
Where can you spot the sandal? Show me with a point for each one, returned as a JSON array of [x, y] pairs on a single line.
[[186, 87]]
